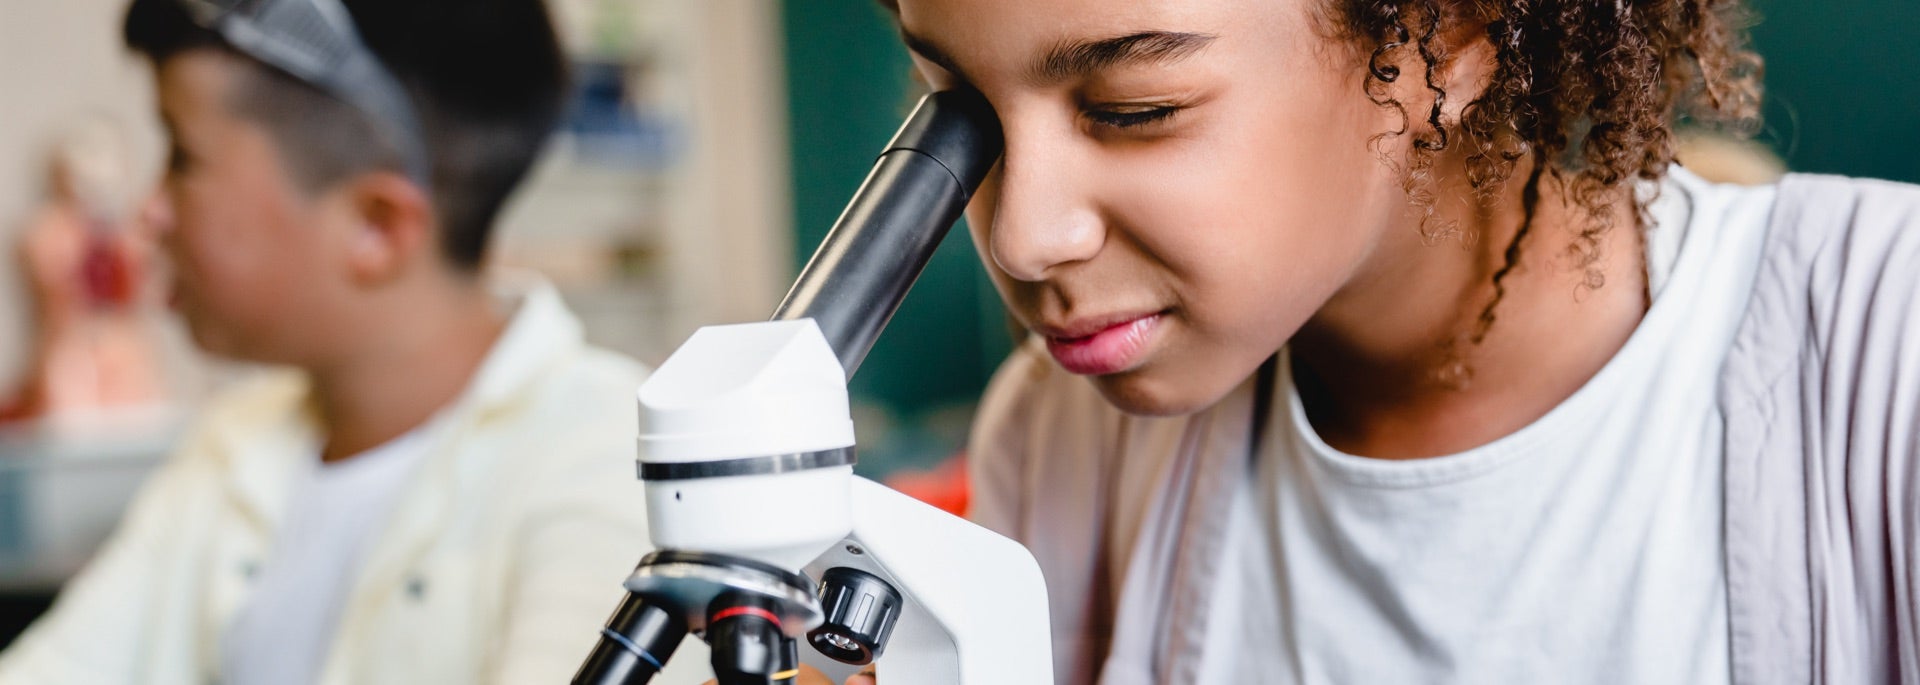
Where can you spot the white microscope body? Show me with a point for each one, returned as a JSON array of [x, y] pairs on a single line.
[[974, 606]]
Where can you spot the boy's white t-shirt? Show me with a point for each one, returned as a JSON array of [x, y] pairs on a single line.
[[284, 631], [1585, 548]]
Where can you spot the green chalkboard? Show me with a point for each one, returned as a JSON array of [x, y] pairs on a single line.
[[1843, 85]]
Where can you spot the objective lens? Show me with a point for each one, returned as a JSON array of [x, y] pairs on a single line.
[[634, 646], [840, 641]]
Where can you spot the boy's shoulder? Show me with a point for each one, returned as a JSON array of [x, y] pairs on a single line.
[[575, 422], [589, 385], [543, 371]]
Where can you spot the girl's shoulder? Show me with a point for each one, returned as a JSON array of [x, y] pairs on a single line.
[[1821, 402], [1835, 301], [1839, 263], [1843, 218]]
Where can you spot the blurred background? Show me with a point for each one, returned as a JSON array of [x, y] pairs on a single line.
[[710, 146]]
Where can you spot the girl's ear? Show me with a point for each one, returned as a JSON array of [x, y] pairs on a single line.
[[1463, 64], [1467, 65], [393, 226]]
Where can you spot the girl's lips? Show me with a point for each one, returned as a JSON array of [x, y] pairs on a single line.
[[1109, 350]]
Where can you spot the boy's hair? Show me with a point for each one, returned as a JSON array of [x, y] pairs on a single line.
[[487, 79]]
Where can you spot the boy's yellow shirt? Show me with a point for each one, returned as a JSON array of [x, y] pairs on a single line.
[[501, 559]]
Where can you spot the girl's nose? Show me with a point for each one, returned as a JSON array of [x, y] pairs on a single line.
[[1042, 220]]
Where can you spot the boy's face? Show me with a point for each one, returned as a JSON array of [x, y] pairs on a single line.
[[252, 253], [1175, 204]]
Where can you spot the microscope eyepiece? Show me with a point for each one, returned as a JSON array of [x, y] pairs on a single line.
[[914, 194], [958, 129], [861, 611]]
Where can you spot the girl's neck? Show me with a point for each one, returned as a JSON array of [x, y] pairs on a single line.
[[1389, 369]]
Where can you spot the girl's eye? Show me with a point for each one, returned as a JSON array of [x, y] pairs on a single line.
[[1129, 116]]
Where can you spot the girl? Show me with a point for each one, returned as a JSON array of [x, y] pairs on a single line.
[[1383, 342]]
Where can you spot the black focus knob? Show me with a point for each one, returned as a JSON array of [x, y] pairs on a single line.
[[861, 610]]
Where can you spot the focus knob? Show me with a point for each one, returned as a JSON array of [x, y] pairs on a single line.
[[861, 611]]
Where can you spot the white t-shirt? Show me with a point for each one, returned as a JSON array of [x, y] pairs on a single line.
[[1584, 548], [282, 635]]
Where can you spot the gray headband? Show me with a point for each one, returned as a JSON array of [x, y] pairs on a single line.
[[315, 41]]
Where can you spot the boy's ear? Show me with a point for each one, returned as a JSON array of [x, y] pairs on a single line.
[[393, 229]]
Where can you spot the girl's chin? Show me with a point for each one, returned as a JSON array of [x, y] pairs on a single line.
[[1143, 392]]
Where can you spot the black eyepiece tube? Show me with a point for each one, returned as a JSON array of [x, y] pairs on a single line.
[[913, 195], [635, 645]]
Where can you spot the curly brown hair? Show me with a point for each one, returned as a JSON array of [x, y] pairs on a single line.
[[1588, 90]]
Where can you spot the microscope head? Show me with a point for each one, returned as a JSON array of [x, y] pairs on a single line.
[[746, 444]]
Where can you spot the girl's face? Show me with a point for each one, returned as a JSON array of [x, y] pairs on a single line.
[[1186, 182]]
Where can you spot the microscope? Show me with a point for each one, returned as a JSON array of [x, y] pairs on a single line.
[[765, 537]]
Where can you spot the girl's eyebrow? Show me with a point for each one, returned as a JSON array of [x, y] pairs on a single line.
[[1070, 59]]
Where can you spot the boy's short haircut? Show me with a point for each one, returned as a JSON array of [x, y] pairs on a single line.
[[486, 77]]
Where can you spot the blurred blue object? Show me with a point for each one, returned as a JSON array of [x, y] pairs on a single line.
[[13, 513], [612, 124]]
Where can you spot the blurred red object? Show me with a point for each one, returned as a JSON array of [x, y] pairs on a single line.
[[107, 271], [944, 486]]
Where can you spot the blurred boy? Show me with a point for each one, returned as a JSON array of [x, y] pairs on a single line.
[[439, 489]]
